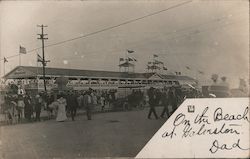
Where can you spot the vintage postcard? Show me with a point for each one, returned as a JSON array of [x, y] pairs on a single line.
[[124, 78]]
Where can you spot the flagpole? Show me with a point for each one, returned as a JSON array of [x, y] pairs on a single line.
[[134, 66], [19, 59], [4, 68], [126, 55], [127, 60], [119, 64], [128, 64]]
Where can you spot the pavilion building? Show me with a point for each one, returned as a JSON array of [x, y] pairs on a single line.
[[32, 78]]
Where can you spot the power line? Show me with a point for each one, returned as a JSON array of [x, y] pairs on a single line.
[[216, 20], [142, 42], [124, 23], [108, 28], [174, 37]]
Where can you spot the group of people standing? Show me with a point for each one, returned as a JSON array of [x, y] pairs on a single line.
[[68, 103], [168, 97], [23, 106], [27, 107], [61, 105]]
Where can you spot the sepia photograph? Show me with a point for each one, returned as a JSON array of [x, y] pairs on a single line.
[[124, 78]]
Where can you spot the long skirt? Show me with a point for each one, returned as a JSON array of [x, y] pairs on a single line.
[[61, 113]]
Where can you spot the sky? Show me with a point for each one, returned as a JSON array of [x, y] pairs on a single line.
[[211, 36]]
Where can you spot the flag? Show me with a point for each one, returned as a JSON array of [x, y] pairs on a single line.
[[158, 62], [22, 50], [153, 67], [187, 67], [130, 59], [5, 60], [121, 59], [130, 51], [39, 58], [201, 72], [155, 55], [165, 68]]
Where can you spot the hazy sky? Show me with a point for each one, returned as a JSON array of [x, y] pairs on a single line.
[[211, 35]]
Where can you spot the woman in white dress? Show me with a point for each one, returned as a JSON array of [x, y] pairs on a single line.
[[61, 112]]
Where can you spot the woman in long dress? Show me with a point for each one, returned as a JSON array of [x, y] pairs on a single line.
[[61, 112]]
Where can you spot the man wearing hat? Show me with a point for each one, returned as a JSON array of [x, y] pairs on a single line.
[[38, 106], [172, 98], [164, 99], [72, 104], [87, 103], [152, 102]]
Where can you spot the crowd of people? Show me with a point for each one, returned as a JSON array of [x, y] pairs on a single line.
[[65, 104], [61, 105], [22, 106]]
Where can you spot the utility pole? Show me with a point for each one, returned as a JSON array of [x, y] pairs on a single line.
[[43, 60]]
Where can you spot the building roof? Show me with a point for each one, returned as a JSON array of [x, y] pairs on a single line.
[[31, 72]]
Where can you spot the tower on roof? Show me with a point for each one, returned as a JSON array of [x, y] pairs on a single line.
[[156, 65], [127, 64], [126, 67]]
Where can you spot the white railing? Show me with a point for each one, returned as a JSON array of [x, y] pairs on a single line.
[[79, 86]]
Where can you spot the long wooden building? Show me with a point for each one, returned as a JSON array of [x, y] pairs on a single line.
[[32, 78]]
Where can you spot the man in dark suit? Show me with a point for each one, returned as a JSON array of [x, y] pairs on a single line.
[[172, 99], [38, 106], [72, 105], [87, 103], [165, 103], [152, 102], [28, 107]]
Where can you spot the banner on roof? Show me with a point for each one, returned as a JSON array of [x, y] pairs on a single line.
[[19, 72]]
